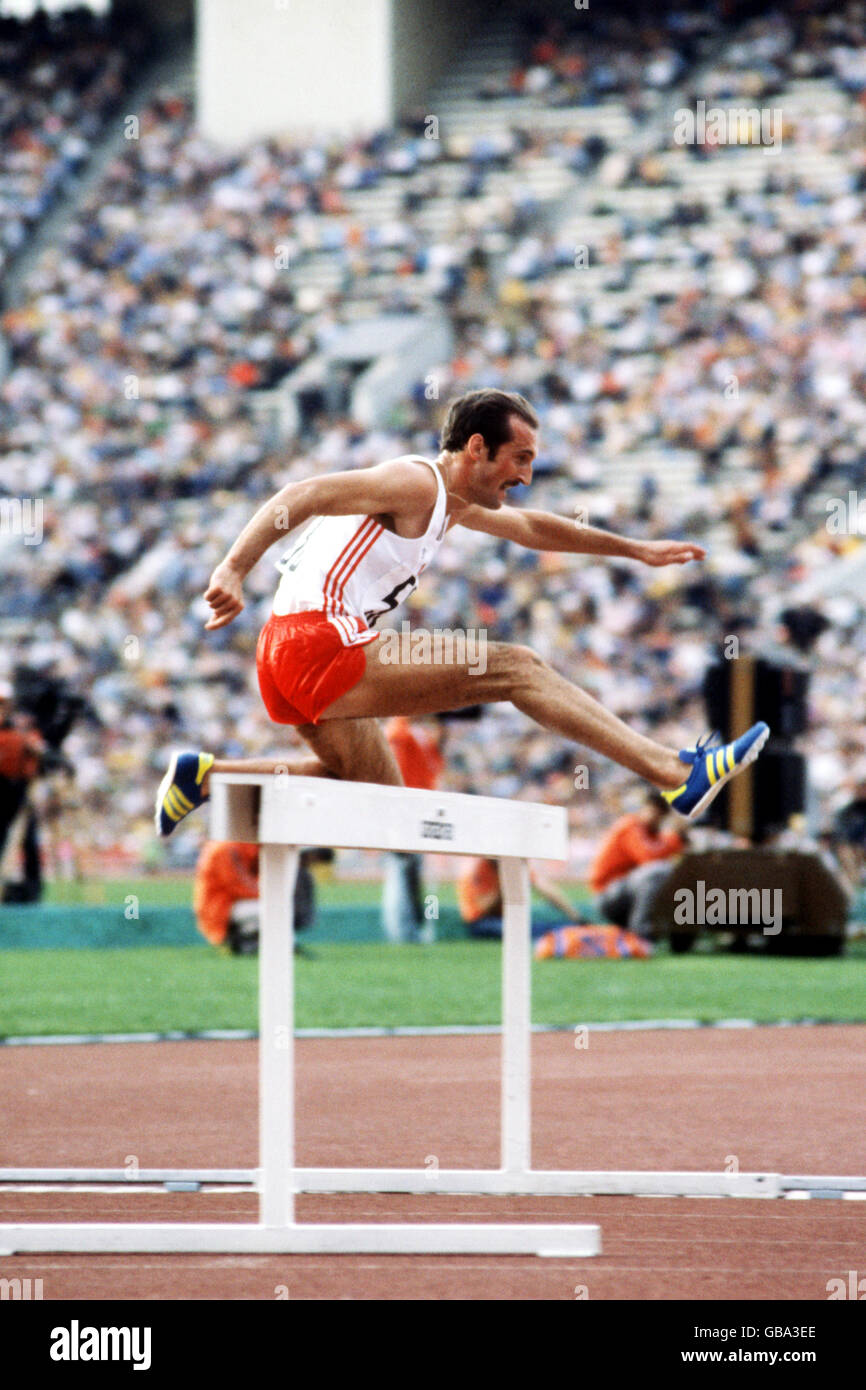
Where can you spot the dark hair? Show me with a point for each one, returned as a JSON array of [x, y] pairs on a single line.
[[486, 413]]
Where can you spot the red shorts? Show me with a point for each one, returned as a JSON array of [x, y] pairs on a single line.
[[303, 667]]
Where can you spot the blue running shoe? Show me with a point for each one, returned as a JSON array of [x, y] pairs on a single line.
[[712, 768], [180, 789]]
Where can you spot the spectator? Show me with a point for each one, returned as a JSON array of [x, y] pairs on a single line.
[[479, 899], [226, 896], [629, 867], [21, 758], [849, 835], [420, 760]]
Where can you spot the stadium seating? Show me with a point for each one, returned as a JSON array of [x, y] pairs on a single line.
[[687, 319]]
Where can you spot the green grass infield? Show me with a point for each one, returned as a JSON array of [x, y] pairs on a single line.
[[158, 989]]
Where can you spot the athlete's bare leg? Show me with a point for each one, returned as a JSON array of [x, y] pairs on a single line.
[[511, 673], [295, 767], [350, 745], [354, 750]]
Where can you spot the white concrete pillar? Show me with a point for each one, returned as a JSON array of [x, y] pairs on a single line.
[[271, 67]]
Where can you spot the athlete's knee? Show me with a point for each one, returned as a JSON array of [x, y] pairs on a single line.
[[358, 755], [515, 665], [383, 771], [339, 766], [330, 756]]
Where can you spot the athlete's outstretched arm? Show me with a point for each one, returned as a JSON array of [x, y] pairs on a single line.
[[546, 531], [399, 488]]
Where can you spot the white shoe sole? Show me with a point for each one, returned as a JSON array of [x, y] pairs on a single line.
[[725, 778], [161, 794]]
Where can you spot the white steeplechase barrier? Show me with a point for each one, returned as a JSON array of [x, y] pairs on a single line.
[[282, 813]]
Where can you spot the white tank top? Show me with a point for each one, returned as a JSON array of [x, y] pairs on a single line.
[[355, 570]]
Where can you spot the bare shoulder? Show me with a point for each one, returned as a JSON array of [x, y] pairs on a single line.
[[412, 477]]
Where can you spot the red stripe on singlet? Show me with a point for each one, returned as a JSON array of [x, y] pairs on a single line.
[[344, 557], [356, 560]]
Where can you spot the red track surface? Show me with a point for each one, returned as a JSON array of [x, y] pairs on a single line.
[[783, 1100]]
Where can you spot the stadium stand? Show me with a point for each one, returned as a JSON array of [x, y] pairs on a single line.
[[192, 283], [61, 78]]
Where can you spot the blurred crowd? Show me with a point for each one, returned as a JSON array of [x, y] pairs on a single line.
[[585, 58], [60, 80], [180, 290]]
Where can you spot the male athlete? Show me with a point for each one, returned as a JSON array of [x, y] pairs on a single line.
[[367, 536]]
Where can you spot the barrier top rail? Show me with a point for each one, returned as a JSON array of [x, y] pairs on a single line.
[[280, 809]]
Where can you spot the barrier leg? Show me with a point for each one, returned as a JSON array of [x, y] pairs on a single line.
[[277, 873], [516, 1014]]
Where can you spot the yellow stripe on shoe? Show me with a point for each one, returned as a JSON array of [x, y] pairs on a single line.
[[176, 805], [670, 797], [205, 763], [181, 789], [708, 776]]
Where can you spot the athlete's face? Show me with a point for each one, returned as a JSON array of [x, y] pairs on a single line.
[[492, 478]]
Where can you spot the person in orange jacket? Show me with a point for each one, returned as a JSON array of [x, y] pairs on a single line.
[[22, 758], [630, 865], [226, 892], [479, 899], [226, 895]]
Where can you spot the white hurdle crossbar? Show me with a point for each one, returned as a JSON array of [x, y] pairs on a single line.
[[282, 813]]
